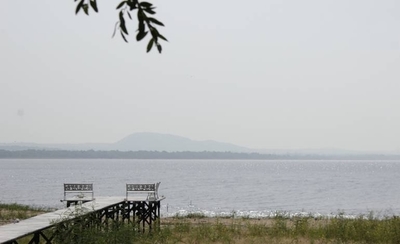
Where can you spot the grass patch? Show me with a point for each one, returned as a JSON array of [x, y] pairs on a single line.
[[195, 215], [197, 228], [269, 230], [13, 211]]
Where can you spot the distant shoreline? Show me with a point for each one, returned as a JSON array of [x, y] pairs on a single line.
[[93, 154]]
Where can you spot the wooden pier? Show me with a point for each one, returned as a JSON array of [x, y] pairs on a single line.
[[141, 212]]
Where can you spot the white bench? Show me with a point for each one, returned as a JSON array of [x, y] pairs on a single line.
[[150, 190], [74, 193]]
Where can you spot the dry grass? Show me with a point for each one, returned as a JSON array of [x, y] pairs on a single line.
[[11, 213], [197, 229]]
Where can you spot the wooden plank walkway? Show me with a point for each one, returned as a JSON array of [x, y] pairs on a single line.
[[44, 221]]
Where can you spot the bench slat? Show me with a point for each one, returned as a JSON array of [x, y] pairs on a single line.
[[78, 187], [70, 188], [150, 189], [140, 187]]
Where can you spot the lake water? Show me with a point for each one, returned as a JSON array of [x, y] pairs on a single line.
[[244, 187]]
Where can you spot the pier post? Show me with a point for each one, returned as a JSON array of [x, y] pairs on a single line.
[[144, 214]]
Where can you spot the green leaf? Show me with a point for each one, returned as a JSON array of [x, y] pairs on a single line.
[[150, 45], [123, 28], [149, 10], [121, 16], [93, 3], [121, 4], [159, 48], [162, 37], [146, 4], [153, 20], [154, 31], [155, 36], [122, 23], [79, 6], [86, 8], [141, 15], [115, 29], [141, 35], [122, 34], [141, 26], [132, 5]]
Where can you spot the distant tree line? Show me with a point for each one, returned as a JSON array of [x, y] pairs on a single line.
[[92, 154], [65, 154]]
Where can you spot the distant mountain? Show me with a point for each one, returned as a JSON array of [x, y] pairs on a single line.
[[171, 143], [136, 142]]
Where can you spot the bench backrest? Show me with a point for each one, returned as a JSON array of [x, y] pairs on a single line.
[[78, 188], [150, 189]]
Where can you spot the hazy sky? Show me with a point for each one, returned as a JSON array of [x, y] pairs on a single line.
[[262, 74]]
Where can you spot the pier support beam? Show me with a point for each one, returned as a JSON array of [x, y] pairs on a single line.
[[142, 215]]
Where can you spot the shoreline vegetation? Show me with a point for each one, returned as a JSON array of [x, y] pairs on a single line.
[[93, 154], [197, 228], [13, 212]]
